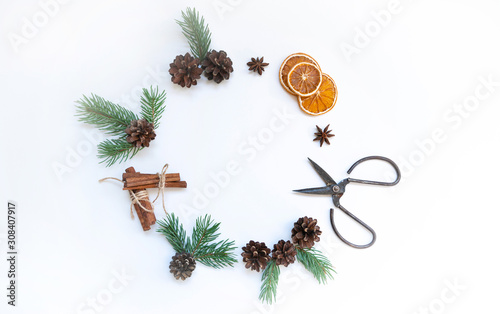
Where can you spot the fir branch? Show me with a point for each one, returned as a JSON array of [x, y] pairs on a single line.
[[217, 255], [204, 232], [113, 150], [111, 118], [197, 33], [174, 232], [152, 105], [269, 286], [315, 262]]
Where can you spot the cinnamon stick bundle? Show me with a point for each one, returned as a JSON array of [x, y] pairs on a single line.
[[147, 218], [138, 180]]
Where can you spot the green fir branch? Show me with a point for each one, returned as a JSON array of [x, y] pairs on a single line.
[[111, 118], [269, 286], [217, 255], [152, 105], [113, 150], [315, 262], [200, 245], [174, 232], [197, 33], [204, 232]]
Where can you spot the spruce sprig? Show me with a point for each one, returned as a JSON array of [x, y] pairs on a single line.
[[216, 254], [105, 115], [152, 105], [113, 119], [196, 32], [270, 278], [200, 245], [312, 259], [174, 232], [113, 150], [204, 232], [315, 262]]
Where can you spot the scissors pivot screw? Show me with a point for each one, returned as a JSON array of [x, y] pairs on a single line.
[[336, 188]]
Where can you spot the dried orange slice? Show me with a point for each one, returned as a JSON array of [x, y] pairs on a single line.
[[304, 79], [289, 63], [323, 100]]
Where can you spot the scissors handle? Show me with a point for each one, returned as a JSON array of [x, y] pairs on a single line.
[[392, 163], [348, 213]]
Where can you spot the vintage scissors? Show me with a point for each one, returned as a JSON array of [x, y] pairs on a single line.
[[337, 190]]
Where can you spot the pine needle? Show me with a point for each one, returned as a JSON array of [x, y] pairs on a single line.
[[113, 150], [152, 105], [196, 32], [269, 286], [315, 262], [174, 232]]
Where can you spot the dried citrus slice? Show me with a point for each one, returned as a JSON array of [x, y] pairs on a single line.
[[323, 100], [304, 79], [289, 63]]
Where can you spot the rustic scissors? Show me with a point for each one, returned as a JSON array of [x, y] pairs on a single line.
[[337, 190]]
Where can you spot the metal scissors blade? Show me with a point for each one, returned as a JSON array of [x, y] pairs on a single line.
[[325, 190], [322, 173]]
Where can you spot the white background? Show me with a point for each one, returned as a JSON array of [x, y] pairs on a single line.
[[438, 228]]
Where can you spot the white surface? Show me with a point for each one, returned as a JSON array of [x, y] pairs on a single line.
[[437, 227]]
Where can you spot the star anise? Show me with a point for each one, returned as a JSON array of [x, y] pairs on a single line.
[[323, 135], [257, 65]]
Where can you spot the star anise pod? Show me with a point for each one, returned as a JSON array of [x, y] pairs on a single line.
[[323, 135], [257, 65]]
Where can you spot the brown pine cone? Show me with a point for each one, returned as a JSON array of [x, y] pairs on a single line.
[[284, 253], [140, 133], [256, 255], [305, 232], [217, 66], [185, 70], [182, 265]]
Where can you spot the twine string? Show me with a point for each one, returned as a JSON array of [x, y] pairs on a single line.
[[161, 187]]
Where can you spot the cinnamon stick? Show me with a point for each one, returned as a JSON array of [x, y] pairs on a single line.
[[132, 177], [178, 184], [143, 179], [146, 218]]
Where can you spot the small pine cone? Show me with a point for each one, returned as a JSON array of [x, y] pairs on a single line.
[[217, 66], [185, 70], [140, 133], [305, 232], [256, 255], [182, 265], [284, 253]]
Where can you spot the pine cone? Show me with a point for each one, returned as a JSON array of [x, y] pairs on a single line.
[[140, 133], [182, 265], [185, 70], [284, 253], [256, 255], [305, 232], [217, 66]]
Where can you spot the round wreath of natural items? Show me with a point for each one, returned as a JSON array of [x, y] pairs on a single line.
[[133, 133], [305, 232]]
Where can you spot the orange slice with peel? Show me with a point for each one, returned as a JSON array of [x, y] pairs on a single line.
[[289, 63], [304, 79], [323, 100]]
